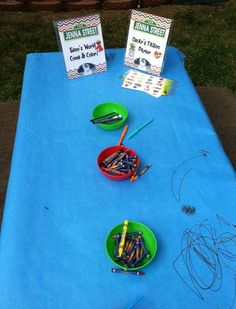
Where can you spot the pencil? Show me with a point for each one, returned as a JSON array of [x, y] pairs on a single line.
[[140, 128], [122, 135]]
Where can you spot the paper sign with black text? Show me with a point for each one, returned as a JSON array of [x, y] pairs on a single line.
[[82, 45], [147, 42]]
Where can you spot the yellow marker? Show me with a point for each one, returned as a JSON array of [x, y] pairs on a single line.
[[123, 236]]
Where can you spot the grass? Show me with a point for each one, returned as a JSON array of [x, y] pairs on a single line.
[[206, 34]]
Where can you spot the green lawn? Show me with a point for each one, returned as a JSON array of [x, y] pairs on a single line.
[[206, 34]]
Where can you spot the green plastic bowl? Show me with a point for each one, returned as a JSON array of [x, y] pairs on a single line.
[[148, 237], [109, 107]]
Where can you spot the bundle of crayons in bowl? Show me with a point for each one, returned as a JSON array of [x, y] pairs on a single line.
[[118, 162], [131, 246]]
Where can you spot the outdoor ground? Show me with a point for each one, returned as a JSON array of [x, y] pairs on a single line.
[[206, 34]]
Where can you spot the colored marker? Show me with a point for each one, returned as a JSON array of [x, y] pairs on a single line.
[[122, 135], [123, 236], [140, 128], [127, 272], [105, 120], [143, 171], [105, 116]]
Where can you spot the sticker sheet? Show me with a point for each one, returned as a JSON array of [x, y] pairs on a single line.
[[155, 86]]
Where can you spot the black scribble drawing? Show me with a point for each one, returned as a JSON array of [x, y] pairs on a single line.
[[221, 221], [203, 258], [188, 210], [181, 172]]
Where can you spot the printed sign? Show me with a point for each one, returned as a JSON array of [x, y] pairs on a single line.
[[147, 41], [82, 45]]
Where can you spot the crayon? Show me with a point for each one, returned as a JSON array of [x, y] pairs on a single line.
[[144, 248], [137, 248], [130, 245], [136, 171], [127, 272], [132, 248], [114, 172], [117, 246], [134, 234], [123, 236], [118, 158], [130, 256], [141, 252], [128, 163], [111, 157], [126, 246], [143, 171], [137, 261], [124, 170]]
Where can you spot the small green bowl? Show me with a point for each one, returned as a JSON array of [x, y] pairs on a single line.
[[109, 107], [148, 237]]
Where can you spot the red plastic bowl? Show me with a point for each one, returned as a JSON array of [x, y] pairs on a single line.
[[106, 153]]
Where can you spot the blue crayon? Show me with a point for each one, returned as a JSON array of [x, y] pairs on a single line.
[[144, 248], [117, 246], [128, 162], [127, 272], [137, 261], [132, 157], [125, 170], [134, 234]]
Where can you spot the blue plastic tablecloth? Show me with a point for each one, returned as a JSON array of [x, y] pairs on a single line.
[[59, 207]]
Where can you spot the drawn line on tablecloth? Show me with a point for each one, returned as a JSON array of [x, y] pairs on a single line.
[[201, 246]]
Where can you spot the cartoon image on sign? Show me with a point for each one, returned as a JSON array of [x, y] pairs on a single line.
[[142, 64], [99, 46], [86, 69], [157, 54]]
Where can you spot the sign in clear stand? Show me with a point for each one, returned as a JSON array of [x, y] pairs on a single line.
[[81, 41], [147, 41]]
